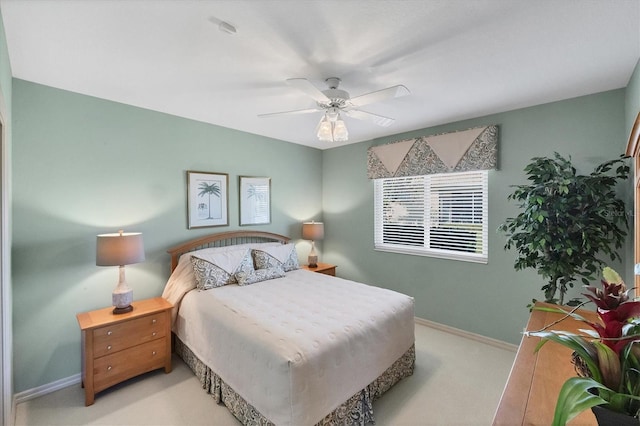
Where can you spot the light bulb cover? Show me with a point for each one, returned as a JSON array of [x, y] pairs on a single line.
[[325, 131], [340, 133], [331, 128]]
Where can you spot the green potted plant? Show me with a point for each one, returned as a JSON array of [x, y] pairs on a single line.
[[608, 356], [568, 223]]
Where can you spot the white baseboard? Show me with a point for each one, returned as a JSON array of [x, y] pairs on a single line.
[[469, 335], [48, 388], [12, 415]]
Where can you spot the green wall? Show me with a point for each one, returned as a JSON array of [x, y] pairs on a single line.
[[486, 299], [84, 166]]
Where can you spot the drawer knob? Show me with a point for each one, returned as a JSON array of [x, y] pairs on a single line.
[[153, 321], [109, 333], [109, 368], [154, 334], [153, 353], [109, 347]]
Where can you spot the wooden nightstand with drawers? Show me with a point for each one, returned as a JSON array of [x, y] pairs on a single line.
[[118, 347], [322, 268]]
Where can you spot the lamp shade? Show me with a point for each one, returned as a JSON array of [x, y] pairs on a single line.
[[313, 231], [119, 249]]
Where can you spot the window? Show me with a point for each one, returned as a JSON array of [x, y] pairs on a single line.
[[441, 215]]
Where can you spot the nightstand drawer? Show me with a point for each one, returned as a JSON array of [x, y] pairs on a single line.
[[329, 271], [112, 369], [116, 337]]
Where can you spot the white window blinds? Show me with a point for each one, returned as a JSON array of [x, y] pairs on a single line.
[[441, 215]]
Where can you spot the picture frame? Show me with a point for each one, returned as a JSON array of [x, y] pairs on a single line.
[[255, 200], [207, 199]]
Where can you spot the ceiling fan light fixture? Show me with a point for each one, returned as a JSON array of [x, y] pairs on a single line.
[[333, 101], [325, 131], [332, 129], [340, 133], [332, 114]]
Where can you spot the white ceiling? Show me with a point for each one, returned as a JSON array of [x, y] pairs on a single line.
[[459, 58]]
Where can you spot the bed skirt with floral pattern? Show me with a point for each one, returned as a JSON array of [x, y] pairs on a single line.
[[357, 410]]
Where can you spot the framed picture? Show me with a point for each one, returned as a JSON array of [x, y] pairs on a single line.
[[207, 199], [255, 200]]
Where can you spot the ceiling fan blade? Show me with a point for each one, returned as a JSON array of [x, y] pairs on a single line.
[[294, 112], [305, 86], [379, 95], [367, 116]]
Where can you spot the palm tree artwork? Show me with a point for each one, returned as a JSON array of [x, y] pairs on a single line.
[[209, 190], [254, 200], [258, 193]]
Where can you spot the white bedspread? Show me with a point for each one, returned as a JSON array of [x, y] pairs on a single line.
[[297, 347]]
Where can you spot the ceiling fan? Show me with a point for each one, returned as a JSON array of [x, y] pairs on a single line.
[[334, 101]]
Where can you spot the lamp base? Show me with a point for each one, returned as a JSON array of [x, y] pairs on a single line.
[[121, 298], [118, 311], [313, 261]]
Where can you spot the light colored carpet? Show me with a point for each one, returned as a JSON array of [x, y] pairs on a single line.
[[457, 381]]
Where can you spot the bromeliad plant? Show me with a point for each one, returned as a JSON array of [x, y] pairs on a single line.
[[610, 353]]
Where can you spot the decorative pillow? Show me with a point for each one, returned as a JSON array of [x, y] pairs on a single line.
[[257, 275], [284, 255], [208, 275], [218, 269]]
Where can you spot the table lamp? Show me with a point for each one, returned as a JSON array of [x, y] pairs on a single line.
[[119, 250], [313, 231]]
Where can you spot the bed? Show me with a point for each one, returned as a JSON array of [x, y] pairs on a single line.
[[281, 345]]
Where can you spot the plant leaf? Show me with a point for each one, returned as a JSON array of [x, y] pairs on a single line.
[[575, 397], [585, 349], [573, 315], [609, 365]]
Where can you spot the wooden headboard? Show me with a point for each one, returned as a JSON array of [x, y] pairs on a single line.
[[223, 239]]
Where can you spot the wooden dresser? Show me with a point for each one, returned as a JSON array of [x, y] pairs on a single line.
[[118, 347], [531, 393]]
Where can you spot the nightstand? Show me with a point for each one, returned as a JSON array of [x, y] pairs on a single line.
[[118, 347], [323, 268]]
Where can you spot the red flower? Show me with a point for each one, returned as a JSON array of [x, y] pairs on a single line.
[[615, 310], [610, 296]]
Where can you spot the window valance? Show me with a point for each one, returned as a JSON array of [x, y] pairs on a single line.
[[462, 151]]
